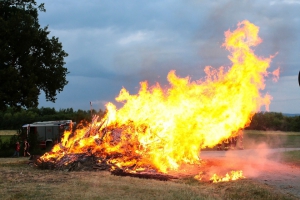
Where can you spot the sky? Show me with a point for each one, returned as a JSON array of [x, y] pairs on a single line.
[[116, 44]]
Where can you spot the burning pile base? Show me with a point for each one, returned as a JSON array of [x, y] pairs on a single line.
[[112, 149], [85, 162]]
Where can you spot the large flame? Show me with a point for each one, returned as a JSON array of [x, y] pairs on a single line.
[[168, 127]]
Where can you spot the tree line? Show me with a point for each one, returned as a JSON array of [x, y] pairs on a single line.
[[12, 119], [274, 121]]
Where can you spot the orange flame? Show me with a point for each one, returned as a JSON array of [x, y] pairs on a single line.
[[234, 175], [169, 127]]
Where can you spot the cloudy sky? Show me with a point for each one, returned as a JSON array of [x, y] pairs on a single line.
[[115, 44]]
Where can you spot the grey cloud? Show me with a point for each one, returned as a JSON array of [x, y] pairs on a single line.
[[120, 43]]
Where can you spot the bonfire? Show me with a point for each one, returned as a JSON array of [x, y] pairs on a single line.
[[160, 129]]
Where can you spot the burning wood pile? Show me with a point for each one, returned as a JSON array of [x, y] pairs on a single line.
[[85, 162], [160, 129], [100, 159]]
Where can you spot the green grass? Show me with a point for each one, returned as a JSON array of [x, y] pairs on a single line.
[[274, 139], [289, 157], [250, 190]]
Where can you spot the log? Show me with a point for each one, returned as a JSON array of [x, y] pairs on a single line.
[[145, 175]]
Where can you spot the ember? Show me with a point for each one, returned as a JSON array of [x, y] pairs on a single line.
[[157, 130]]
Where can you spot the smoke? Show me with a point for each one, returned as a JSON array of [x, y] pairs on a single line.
[[259, 158], [251, 161]]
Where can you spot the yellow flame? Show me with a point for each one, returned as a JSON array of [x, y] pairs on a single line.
[[234, 175], [168, 127]]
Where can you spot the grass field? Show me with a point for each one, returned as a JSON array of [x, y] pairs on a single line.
[[254, 132], [8, 132], [273, 139], [20, 181], [289, 157], [5, 135]]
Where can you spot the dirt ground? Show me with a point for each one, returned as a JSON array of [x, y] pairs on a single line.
[[256, 166]]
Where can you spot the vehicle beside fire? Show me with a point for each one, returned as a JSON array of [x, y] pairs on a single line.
[[47, 132]]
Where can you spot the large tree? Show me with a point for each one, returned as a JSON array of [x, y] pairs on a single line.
[[30, 60]]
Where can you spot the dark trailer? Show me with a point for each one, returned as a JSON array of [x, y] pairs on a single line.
[[49, 132]]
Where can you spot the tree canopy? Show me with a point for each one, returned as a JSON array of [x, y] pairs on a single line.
[[30, 61]]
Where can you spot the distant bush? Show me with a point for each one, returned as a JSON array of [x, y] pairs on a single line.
[[7, 147]]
